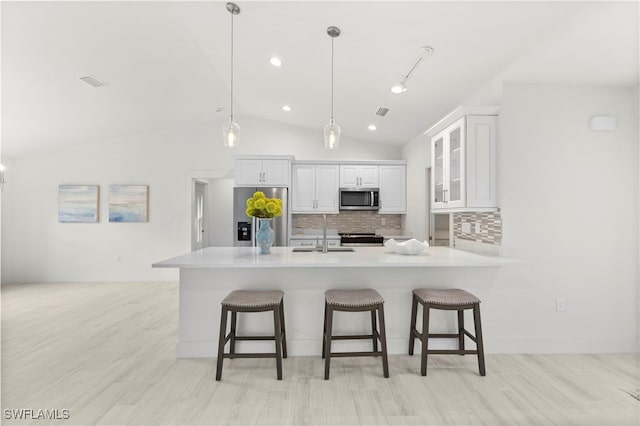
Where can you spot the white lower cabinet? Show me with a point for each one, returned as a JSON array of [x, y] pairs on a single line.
[[393, 189], [315, 188]]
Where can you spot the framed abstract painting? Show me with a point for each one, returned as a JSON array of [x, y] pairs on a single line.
[[78, 203], [128, 203]]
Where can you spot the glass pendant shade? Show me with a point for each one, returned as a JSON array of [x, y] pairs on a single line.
[[331, 135], [231, 133]]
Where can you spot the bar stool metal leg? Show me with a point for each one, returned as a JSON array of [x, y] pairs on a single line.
[[461, 329], [479, 344], [232, 339], [383, 341], [221, 342], [277, 328], [324, 332], [284, 330], [412, 326], [425, 340], [374, 329], [328, 334]]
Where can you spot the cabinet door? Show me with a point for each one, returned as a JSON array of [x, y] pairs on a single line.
[[248, 172], [393, 189], [482, 161], [303, 194], [438, 171], [455, 167], [327, 181], [275, 172], [368, 176], [349, 176]]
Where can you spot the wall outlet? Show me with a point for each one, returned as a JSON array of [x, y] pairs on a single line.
[[560, 304], [383, 221], [466, 227], [477, 229]]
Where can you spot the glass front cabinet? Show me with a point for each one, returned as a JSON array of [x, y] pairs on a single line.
[[448, 167], [464, 162]]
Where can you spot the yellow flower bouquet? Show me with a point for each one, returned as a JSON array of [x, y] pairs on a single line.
[[262, 207]]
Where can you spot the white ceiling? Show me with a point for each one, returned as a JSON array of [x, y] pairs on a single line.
[[167, 63]]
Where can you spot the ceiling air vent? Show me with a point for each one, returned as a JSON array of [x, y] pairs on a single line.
[[92, 80], [382, 111]]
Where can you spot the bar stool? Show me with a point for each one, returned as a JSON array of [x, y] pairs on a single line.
[[354, 301], [252, 301], [446, 299]]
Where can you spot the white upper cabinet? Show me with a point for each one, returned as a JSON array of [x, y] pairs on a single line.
[[262, 172], [464, 161], [315, 188], [393, 189], [359, 176]]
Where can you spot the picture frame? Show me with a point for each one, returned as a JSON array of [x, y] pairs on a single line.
[[128, 203], [78, 203]]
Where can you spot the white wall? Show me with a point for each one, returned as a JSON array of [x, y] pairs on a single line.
[[36, 248], [417, 153], [570, 210]]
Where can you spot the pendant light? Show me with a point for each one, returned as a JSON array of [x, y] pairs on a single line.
[[230, 129], [332, 130]]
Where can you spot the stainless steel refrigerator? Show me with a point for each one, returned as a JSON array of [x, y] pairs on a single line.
[[244, 227]]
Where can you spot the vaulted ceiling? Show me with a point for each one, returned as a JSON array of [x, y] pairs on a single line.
[[168, 63]]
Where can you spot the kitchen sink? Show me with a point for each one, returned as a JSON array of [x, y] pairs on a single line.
[[319, 249]]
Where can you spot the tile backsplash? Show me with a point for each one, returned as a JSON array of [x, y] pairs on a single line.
[[355, 221], [490, 231]]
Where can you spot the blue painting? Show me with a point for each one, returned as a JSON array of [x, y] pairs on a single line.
[[128, 203], [78, 203]]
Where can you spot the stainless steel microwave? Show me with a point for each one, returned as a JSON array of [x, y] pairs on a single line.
[[359, 199]]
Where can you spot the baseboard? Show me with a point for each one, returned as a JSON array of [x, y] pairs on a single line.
[[544, 344]]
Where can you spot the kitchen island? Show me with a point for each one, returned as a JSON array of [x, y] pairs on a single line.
[[208, 275]]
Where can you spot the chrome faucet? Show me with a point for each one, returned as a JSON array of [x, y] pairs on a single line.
[[325, 244]]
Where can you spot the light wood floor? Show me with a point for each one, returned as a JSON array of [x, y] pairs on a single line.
[[105, 352]]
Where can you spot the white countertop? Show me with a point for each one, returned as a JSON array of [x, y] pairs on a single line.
[[370, 257]]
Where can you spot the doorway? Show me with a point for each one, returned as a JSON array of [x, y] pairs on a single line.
[[211, 212], [199, 229]]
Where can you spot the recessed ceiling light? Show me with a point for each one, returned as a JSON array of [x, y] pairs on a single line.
[[286, 108], [372, 127], [275, 61]]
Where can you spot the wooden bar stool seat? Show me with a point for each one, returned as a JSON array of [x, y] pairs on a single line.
[[446, 299], [354, 301], [252, 301]]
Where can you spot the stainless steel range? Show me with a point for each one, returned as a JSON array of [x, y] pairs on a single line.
[[360, 239]]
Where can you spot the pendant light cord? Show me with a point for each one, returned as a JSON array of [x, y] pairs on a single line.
[[231, 115], [332, 79]]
